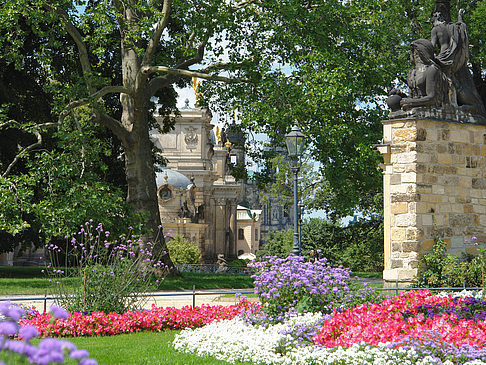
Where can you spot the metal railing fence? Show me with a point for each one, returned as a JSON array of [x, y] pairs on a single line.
[[195, 293], [214, 269]]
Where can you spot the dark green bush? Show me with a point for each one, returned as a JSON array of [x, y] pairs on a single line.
[[440, 269], [239, 262], [358, 246]]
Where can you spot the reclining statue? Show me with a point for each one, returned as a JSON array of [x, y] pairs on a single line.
[[440, 80]]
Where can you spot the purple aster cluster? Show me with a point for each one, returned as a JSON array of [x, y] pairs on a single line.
[[471, 308], [293, 285], [15, 341], [303, 334], [431, 344]]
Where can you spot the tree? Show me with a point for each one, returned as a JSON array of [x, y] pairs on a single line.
[[278, 243], [342, 59], [341, 55], [53, 180], [156, 46]]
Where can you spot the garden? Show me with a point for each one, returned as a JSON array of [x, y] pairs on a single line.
[[309, 313]]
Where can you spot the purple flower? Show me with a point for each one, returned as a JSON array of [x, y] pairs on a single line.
[[52, 344], [88, 362], [8, 328], [79, 354], [59, 312], [28, 332]]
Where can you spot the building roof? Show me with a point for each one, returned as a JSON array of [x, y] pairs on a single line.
[[251, 214], [174, 178]]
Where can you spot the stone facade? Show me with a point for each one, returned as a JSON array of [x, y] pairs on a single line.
[[193, 150], [434, 183], [249, 230]]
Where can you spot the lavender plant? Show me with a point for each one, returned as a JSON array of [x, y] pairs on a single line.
[[110, 272], [431, 344], [15, 346], [293, 285], [472, 309]]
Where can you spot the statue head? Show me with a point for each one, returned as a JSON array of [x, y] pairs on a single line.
[[424, 49], [438, 18]]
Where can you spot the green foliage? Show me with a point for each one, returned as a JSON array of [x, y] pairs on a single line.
[[440, 269], [109, 272], [71, 181], [239, 262], [183, 251], [278, 243], [358, 246]]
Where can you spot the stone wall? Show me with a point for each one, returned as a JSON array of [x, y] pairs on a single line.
[[434, 181]]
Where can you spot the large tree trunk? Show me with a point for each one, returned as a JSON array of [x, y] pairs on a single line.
[[444, 7], [139, 167], [142, 189]]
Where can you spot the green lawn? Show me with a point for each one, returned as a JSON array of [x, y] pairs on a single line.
[[140, 349], [30, 281]]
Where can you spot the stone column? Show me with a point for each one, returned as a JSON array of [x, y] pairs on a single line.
[[434, 184], [232, 229]]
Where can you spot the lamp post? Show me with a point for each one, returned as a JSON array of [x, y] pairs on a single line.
[[295, 147]]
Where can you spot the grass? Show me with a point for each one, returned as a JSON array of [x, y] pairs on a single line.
[[31, 281], [139, 348], [375, 275]]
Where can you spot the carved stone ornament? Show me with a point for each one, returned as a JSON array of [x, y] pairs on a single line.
[[440, 83], [191, 137]]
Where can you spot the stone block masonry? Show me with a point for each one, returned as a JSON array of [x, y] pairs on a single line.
[[434, 181]]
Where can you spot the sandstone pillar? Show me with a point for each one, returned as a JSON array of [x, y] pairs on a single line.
[[434, 182]]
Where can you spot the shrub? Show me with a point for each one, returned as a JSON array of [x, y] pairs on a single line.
[[239, 262], [292, 285], [109, 272], [278, 243], [183, 251], [440, 269]]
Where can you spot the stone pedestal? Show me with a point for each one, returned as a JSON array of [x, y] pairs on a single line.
[[434, 183]]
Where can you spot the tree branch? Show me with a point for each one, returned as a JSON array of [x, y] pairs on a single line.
[[159, 82], [115, 126], [98, 94], [159, 28], [78, 39], [11, 121], [28, 148], [200, 55], [187, 73]]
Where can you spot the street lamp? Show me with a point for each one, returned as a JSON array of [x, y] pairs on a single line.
[[295, 146]]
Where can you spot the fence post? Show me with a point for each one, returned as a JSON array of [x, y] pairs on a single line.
[[396, 287], [194, 296], [45, 300]]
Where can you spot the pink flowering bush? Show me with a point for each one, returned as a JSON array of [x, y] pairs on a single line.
[[385, 322], [156, 319]]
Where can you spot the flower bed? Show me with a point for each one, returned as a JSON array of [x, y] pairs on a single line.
[[156, 319], [395, 331], [402, 316], [313, 313]]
